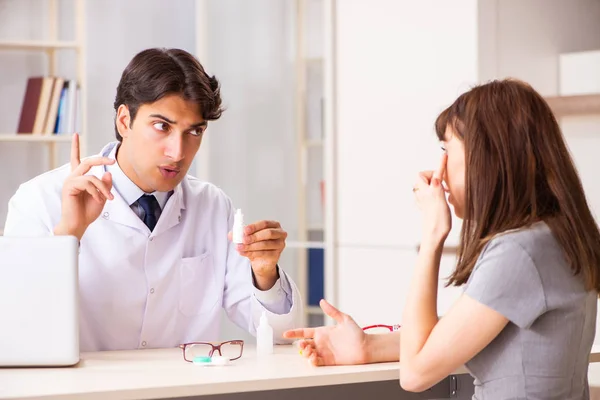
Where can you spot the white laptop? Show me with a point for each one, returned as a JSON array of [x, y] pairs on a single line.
[[39, 309]]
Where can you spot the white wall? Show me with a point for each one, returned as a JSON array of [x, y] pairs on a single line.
[[399, 63], [250, 46]]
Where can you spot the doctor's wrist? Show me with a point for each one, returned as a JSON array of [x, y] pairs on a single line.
[[61, 229], [265, 281]]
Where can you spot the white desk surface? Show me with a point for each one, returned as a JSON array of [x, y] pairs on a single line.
[[162, 373]]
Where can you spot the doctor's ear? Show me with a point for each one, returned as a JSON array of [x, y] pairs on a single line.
[[123, 120]]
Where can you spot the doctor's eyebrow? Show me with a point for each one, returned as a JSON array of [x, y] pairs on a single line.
[[196, 125]]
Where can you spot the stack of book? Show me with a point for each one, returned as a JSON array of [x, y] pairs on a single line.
[[50, 106]]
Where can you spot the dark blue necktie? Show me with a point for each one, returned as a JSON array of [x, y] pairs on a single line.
[[150, 205]]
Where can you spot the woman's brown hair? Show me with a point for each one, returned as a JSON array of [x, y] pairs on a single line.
[[518, 171]]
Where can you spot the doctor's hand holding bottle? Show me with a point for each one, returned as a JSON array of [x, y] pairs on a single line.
[[263, 242], [83, 196]]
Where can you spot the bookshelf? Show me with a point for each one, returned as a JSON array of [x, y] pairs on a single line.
[[51, 45]]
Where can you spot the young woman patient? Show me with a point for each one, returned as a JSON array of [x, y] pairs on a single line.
[[528, 260]]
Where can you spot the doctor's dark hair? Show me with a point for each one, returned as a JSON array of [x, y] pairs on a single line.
[[518, 171], [155, 73]]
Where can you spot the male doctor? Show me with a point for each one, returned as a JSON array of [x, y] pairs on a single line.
[[156, 261]]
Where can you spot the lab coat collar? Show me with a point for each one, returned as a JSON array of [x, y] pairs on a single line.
[[125, 186], [119, 211]]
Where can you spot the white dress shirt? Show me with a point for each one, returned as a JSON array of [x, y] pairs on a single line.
[[275, 299]]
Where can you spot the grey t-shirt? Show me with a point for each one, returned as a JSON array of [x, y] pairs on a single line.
[[543, 352]]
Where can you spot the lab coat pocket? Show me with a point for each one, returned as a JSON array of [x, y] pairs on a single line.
[[198, 289]]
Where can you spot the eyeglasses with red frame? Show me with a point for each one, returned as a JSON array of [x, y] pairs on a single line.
[[381, 328], [231, 349]]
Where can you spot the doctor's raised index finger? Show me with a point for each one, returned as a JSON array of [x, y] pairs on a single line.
[[75, 160]]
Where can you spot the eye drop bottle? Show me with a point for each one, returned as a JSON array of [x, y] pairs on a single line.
[[264, 336]]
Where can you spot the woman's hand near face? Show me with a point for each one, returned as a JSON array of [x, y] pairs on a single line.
[[431, 198]]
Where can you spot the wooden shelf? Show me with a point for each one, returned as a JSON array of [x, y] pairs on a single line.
[[314, 310], [36, 45], [315, 227], [28, 137], [564, 106], [305, 245], [314, 60], [448, 249], [314, 143]]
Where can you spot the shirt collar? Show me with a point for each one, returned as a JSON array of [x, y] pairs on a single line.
[[128, 190]]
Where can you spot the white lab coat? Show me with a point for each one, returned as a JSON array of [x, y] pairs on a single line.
[[142, 289]]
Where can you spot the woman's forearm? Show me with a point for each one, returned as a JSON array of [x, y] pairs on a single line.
[[420, 314], [383, 348]]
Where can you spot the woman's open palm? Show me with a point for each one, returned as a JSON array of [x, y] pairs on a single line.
[[341, 344]]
